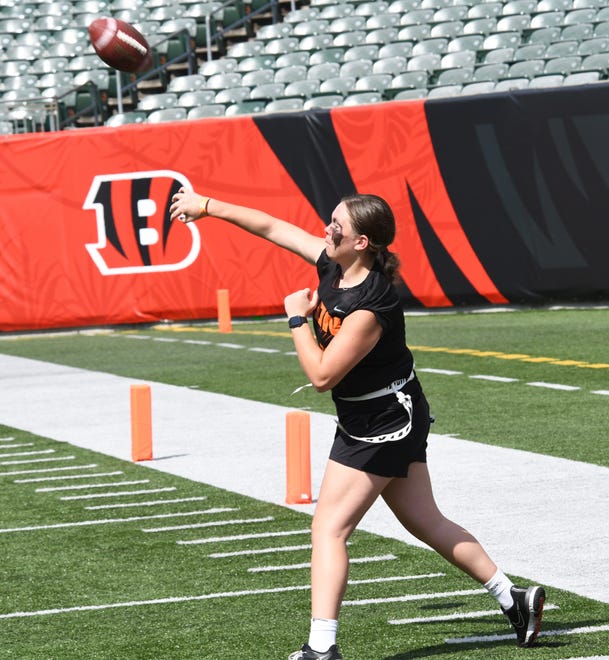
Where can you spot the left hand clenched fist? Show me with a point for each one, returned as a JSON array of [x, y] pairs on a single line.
[[301, 303]]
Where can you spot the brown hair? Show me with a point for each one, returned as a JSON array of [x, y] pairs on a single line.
[[372, 216]]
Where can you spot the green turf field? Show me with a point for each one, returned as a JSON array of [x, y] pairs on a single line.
[[188, 571]]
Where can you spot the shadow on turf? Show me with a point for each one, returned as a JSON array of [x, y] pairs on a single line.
[[449, 649]]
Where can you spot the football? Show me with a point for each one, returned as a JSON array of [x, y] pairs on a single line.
[[120, 45]]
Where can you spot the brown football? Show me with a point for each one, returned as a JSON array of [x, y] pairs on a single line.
[[120, 45]]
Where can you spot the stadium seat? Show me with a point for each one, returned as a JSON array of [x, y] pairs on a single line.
[[327, 55], [551, 80], [166, 114], [314, 42], [438, 45], [222, 65], [409, 80], [526, 69], [267, 92], [547, 19], [255, 63], [373, 8], [342, 85], [297, 58], [509, 85], [582, 78], [414, 33], [485, 10], [376, 82], [157, 102], [356, 68], [444, 91], [349, 39], [284, 105], [246, 107], [196, 98], [290, 74], [303, 89], [260, 77], [450, 13], [553, 5], [530, 52], [482, 87], [361, 52], [344, 24], [492, 72], [401, 49], [323, 101], [281, 45], [224, 80], [428, 62], [448, 29], [480, 26], [204, 111], [363, 98], [232, 95], [457, 76], [499, 55], [189, 83], [519, 7], [596, 62], [515, 23], [465, 42], [323, 71], [417, 17], [593, 46], [544, 35], [563, 65], [463, 59], [578, 16], [393, 65], [411, 94], [315, 26], [403, 6]]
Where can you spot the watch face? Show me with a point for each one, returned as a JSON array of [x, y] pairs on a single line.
[[296, 321]]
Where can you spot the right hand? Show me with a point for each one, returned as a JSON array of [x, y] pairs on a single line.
[[186, 206]]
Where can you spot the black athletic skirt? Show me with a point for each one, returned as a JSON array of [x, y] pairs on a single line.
[[374, 417]]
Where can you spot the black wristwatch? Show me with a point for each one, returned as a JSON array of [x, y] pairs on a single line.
[[296, 321]]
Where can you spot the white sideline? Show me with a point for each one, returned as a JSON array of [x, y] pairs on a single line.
[[540, 517]]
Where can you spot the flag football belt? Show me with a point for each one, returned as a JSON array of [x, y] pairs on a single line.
[[404, 399]]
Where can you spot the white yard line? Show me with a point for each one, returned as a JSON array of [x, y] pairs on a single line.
[[239, 445]]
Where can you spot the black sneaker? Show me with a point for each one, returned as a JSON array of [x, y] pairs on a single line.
[[307, 653], [525, 613]]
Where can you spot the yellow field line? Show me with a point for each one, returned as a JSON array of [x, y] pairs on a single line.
[[521, 357]]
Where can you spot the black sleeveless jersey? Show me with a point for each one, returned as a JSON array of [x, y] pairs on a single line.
[[390, 359]]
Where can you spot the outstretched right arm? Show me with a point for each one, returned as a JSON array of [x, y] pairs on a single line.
[[188, 206]]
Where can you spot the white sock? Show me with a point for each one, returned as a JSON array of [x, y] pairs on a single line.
[[323, 634], [499, 586]]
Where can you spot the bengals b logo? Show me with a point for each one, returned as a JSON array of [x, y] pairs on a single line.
[[134, 232]]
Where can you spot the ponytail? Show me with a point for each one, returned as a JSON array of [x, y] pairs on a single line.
[[389, 262]]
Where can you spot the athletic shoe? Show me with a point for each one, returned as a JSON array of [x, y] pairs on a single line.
[[307, 653], [525, 613]]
